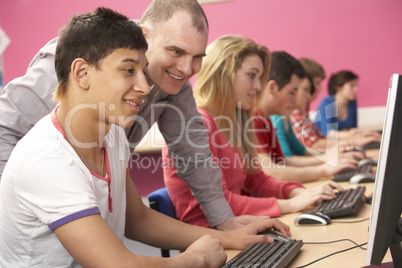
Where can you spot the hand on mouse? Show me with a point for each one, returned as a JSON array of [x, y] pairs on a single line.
[[249, 234]]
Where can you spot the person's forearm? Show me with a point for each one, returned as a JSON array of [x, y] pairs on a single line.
[[320, 145], [82, 239], [290, 205], [166, 231], [342, 134], [302, 161], [171, 233], [285, 206]]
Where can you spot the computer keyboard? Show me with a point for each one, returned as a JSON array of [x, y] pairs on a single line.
[[277, 254], [372, 145], [364, 167], [345, 203]]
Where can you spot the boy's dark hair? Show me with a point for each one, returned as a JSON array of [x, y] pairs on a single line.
[[339, 79], [283, 66], [93, 36]]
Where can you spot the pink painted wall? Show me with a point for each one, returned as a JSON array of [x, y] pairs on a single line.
[[360, 35]]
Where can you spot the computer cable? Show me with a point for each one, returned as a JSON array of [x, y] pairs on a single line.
[[337, 221], [334, 253], [335, 241]]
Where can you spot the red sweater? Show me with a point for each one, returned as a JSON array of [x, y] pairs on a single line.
[[262, 190], [267, 138]]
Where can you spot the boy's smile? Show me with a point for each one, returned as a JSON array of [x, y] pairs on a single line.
[[120, 83], [175, 52]]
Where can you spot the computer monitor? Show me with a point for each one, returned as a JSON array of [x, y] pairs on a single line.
[[385, 226]]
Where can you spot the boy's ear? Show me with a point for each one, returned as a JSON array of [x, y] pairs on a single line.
[[145, 31], [272, 86], [79, 71]]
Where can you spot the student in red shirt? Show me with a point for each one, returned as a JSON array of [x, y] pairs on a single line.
[[233, 71]]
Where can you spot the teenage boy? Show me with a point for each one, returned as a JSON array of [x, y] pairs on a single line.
[[66, 196], [278, 97], [316, 72], [177, 34]]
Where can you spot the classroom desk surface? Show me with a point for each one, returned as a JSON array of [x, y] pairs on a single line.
[[357, 232]]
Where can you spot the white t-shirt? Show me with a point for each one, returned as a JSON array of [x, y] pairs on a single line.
[[45, 185]]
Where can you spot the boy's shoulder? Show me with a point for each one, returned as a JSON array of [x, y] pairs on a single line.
[[42, 132], [41, 149], [42, 141], [329, 98]]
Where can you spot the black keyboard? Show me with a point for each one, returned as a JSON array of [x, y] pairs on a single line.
[[345, 203], [277, 254], [372, 145], [364, 167]]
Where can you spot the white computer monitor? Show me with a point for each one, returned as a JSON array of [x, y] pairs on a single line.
[[385, 226]]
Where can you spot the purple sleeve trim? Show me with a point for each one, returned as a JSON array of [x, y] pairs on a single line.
[[72, 217]]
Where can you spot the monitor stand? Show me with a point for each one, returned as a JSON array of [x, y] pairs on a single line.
[[396, 245]]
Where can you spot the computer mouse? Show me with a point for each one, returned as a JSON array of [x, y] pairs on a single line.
[[362, 178], [312, 218], [278, 236], [368, 161]]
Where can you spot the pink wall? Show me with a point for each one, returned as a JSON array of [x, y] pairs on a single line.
[[360, 35]]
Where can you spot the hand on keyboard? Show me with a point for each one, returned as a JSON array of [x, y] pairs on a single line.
[[364, 168], [301, 198], [346, 203], [250, 234], [364, 137], [343, 161]]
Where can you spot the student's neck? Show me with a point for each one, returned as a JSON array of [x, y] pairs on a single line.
[[85, 133], [266, 109], [341, 101]]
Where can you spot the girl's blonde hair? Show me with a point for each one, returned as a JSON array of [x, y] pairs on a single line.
[[214, 89]]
